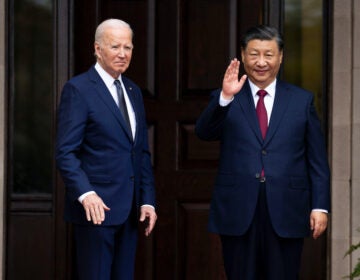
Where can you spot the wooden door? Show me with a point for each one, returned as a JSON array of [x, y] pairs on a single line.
[[182, 48], [181, 51]]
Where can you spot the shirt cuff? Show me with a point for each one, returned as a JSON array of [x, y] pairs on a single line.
[[81, 197], [320, 210], [148, 206], [224, 102]]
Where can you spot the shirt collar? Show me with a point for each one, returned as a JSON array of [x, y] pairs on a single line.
[[105, 76], [270, 89]]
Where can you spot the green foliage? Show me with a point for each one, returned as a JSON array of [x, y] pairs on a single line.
[[356, 271]]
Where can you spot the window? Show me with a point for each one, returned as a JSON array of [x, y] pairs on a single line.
[[304, 50], [31, 90]]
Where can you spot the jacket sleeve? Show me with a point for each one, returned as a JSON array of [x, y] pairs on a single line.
[[319, 171], [210, 123], [147, 185], [71, 122]]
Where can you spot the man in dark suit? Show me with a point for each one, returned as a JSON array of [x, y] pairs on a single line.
[[103, 156], [272, 185]]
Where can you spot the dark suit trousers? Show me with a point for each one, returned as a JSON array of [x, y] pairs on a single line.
[[106, 252], [260, 254]]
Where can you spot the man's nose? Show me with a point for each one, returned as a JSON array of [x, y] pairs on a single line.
[[121, 52], [261, 61]]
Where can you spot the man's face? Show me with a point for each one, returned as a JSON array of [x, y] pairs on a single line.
[[262, 60], [114, 51]]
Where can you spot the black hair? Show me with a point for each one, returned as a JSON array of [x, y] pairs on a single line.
[[262, 32]]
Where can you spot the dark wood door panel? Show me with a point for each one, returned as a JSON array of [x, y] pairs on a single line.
[[182, 48], [30, 249], [198, 252], [181, 51]]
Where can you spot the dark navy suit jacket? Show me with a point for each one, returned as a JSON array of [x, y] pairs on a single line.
[[293, 155], [95, 150]]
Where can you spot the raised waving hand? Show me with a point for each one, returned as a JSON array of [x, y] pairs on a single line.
[[231, 83]]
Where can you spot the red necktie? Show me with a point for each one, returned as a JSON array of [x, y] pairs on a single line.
[[262, 117], [261, 112]]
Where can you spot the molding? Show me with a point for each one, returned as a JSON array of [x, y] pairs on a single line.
[[2, 137]]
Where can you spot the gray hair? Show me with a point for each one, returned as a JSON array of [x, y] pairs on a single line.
[[111, 23]]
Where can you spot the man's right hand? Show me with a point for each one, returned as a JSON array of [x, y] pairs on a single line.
[[231, 83], [94, 208]]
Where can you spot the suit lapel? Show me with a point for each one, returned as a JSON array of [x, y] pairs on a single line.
[[134, 103], [282, 98], [246, 101], [106, 97]]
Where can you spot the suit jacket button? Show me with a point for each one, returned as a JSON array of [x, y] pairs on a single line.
[[264, 152], [257, 175]]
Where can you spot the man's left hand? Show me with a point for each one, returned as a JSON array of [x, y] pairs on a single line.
[[318, 223], [147, 212]]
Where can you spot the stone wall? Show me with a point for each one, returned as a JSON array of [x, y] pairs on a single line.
[[345, 136]]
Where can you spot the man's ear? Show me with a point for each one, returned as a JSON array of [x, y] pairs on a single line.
[[242, 55], [97, 49]]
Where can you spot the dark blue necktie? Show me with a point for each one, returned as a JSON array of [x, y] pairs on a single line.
[[122, 104]]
